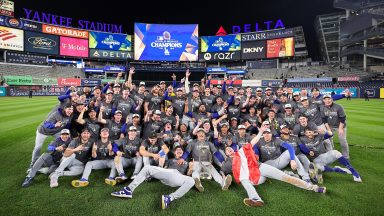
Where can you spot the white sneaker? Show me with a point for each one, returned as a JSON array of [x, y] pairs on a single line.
[[357, 179], [54, 183], [227, 182]]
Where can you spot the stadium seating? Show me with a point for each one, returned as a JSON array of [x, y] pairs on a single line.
[[40, 71]]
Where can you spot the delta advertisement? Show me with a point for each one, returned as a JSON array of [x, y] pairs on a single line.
[[20, 23], [109, 41], [220, 43], [73, 47], [11, 39], [282, 47], [159, 42], [41, 43], [110, 54], [253, 49]]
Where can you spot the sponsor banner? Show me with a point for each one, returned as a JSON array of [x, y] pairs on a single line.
[[282, 33], [20, 23], [44, 81], [114, 68], [220, 43], [262, 64], [93, 70], [107, 80], [354, 91], [166, 42], [18, 80], [41, 43], [216, 69], [372, 92], [220, 82], [239, 71], [109, 41], [110, 54], [221, 56], [56, 30], [73, 47], [37, 90], [3, 91], [11, 39], [271, 83], [381, 92], [253, 50], [23, 58], [322, 79], [251, 83], [7, 7], [350, 78], [90, 82], [68, 82], [282, 47]]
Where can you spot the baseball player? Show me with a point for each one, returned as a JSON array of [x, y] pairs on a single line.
[[248, 171], [75, 156], [201, 151], [153, 150], [127, 154], [51, 127], [334, 118], [51, 158], [313, 145], [102, 158], [173, 176]]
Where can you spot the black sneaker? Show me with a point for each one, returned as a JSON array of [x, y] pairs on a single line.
[[27, 182]]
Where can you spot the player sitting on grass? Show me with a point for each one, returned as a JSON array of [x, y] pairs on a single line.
[[173, 176], [102, 158], [315, 148], [50, 159]]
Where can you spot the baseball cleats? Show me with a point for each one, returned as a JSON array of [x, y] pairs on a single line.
[[320, 189], [27, 182], [165, 201], [253, 202], [53, 182], [227, 182], [198, 185], [313, 173], [110, 181], [121, 178], [125, 193], [357, 178], [80, 183]]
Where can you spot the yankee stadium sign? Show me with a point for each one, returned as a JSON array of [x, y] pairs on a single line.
[[68, 22]]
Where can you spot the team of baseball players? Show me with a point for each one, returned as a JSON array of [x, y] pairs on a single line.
[[180, 135]]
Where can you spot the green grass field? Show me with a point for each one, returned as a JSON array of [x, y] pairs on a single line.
[[20, 116]]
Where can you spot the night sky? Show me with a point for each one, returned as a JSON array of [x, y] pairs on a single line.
[[209, 15]]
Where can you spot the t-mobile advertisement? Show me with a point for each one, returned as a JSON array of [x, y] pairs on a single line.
[[73, 47], [166, 42]]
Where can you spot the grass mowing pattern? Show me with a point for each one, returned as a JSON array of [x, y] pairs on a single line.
[[21, 116]]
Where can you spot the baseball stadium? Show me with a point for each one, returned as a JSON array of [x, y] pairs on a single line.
[[158, 116]]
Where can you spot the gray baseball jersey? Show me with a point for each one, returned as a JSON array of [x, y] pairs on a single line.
[[269, 150], [84, 154], [316, 145], [201, 150], [333, 114]]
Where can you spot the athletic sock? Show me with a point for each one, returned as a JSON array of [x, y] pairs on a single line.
[[345, 162]]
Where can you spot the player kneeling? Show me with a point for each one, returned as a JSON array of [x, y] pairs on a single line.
[[173, 176]]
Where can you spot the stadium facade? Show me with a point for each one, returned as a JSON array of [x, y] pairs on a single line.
[[354, 36]]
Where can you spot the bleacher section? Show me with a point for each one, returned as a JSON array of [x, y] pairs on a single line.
[[40, 71]]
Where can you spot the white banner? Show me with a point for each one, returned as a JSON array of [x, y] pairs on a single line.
[[251, 83], [11, 39]]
